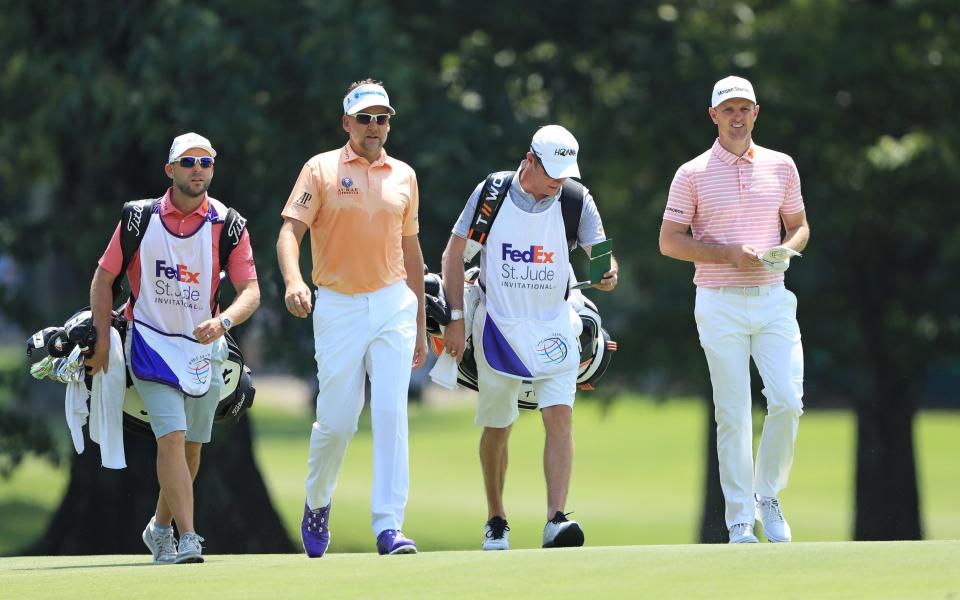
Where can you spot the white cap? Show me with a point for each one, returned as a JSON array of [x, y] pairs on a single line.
[[732, 87], [184, 142], [557, 149], [365, 96]]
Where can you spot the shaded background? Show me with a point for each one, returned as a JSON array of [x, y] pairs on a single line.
[[861, 94]]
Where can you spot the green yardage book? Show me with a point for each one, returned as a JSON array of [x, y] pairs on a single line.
[[599, 263]]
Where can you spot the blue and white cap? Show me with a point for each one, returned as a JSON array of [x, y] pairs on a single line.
[[365, 96]]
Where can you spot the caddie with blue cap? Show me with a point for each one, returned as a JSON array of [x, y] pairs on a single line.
[[524, 224]]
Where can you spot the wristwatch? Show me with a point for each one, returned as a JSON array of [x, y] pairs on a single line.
[[456, 314], [226, 323]]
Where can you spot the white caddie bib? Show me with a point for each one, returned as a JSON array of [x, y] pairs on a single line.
[[175, 280], [529, 331]]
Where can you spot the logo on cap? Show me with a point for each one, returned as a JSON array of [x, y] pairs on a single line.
[[565, 152]]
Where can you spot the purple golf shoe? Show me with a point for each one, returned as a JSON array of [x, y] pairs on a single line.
[[392, 541], [315, 530]]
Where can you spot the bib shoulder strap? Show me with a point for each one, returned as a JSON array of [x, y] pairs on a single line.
[[134, 219], [571, 206], [492, 193]]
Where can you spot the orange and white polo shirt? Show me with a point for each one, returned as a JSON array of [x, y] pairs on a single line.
[[357, 213]]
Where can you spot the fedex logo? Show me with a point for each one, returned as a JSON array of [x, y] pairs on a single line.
[[177, 272], [534, 255]]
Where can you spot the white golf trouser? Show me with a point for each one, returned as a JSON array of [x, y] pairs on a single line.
[[355, 335], [735, 324]]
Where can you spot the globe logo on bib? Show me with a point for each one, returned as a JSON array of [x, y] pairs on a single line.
[[199, 368], [552, 350]]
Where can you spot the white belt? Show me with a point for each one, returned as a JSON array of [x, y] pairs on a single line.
[[753, 290]]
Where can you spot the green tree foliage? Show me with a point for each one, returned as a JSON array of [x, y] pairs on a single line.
[[857, 92]]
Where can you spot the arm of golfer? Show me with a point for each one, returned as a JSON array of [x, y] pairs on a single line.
[[676, 242], [297, 296], [454, 334], [413, 264], [101, 301], [797, 231]]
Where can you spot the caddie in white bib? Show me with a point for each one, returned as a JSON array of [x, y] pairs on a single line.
[[524, 327], [175, 280]]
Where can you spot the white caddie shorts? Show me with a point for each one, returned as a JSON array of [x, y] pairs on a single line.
[[497, 402]]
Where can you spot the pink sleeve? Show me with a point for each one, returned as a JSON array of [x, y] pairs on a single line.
[[793, 199], [112, 259], [681, 202], [240, 266]]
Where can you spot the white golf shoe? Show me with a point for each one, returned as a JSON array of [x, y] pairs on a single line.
[[162, 545], [775, 526], [561, 533], [495, 534], [742, 533]]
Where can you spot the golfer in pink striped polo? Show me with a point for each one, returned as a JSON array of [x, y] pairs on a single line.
[[724, 214]]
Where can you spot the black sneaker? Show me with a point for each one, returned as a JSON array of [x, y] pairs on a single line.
[[561, 533], [495, 534]]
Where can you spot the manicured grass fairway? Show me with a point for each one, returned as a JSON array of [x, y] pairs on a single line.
[[874, 570]]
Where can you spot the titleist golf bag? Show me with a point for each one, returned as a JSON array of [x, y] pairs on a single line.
[[61, 351]]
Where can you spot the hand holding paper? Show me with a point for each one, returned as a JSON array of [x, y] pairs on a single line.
[[777, 259]]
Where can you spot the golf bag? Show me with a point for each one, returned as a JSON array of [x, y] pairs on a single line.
[[596, 346], [65, 347]]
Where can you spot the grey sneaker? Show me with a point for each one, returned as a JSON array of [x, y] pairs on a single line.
[[775, 527], [163, 545], [190, 550], [742, 533], [561, 533]]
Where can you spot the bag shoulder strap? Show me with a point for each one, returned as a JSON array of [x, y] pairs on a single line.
[[134, 219], [231, 233], [233, 227], [491, 197], [571, 206]]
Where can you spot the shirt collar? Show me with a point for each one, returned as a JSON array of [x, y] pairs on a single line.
[[526, 194], [730, 158], [167, 207], [348, 155]]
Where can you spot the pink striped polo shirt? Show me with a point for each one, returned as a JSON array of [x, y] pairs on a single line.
[[240, 265], [730, 199]]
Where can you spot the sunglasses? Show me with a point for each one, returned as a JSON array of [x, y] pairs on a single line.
[[365, 118], [188, 162]]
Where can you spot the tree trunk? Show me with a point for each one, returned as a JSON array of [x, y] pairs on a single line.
[[887, 499], [713, 526], [104, 511]]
